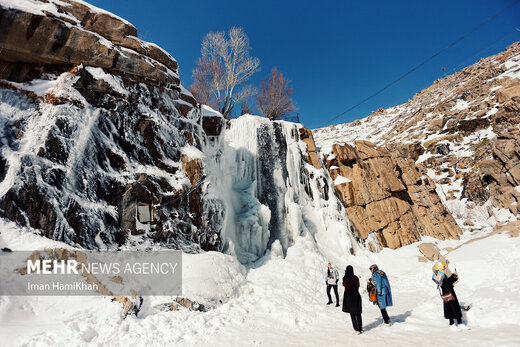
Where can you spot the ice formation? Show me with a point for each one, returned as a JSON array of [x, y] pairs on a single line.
[[269, 192]]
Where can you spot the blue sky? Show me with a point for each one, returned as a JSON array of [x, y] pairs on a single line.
[[335, 52]]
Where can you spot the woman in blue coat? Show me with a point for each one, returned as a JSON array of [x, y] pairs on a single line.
[[384, 294]]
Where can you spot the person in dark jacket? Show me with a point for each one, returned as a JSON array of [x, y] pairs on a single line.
[[452, 309], [352, 299], [384, 293]]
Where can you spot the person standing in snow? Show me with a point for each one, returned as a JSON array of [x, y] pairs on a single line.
[[452, 309], [352, 299], [331, 279], [384, 294]]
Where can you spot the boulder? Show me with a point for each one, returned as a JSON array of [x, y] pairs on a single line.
[[506, 94], [213, 124], [430, 251]]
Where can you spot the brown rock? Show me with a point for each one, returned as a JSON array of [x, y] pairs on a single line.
[[312, 154], [193, 169], [506, 94], [430, 251], [389, 196], [469, 223], [24, 38]]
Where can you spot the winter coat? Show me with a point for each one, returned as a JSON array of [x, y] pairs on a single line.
[[451, 308], [332, 274], [384, 294], [351, 297]]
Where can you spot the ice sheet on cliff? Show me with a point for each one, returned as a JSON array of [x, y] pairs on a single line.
[[270, 192]]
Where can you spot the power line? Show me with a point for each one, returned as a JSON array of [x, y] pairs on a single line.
[[489, 19]]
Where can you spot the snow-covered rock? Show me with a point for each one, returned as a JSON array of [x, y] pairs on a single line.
[[68, 33], [462, 131], [94, 123]]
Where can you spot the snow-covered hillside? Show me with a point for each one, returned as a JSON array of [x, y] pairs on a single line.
[[281, 301], [103, 148], [462, 131]]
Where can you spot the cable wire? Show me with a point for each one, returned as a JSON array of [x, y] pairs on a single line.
[[489, 19]]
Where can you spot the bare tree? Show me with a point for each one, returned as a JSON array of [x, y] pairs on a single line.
[[206, 74], [247, 108], [274, 99], [223, 69]]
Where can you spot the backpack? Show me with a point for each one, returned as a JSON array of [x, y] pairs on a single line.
[[438, 277], [372, 292]]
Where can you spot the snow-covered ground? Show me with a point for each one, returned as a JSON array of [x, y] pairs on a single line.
[[281, 301]]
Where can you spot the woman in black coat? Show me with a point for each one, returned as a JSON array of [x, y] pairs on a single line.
[[451, 308], [352, 299]]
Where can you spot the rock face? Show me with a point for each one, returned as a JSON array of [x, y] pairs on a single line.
[[312, 158], [79, 34], [463, 132], [95, 128], [387, 198], [499, 176]]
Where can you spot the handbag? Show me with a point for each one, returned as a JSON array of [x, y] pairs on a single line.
[[447, 297]]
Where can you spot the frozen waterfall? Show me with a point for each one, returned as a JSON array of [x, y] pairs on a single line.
[[257, 169]]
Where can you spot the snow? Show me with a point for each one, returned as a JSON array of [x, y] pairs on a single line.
[[41, 7], [460, 105], [281, 301], [491, 112], [512, 67], [192, 152], [38, 7], [39, 87], [340, 180], [115, 82], [207, 111]]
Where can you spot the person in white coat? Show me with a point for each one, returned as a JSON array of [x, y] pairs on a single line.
[[331, 279]]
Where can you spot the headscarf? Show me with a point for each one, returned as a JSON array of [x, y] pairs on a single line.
[[349, 271], [351, 279]]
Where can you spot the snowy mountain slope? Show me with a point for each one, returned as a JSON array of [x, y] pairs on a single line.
[[465, 95], [462, 132], [281, 301], [83, 144]]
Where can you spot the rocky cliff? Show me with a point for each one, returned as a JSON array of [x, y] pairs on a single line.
[[102, 147], [460, 138], [389, 201], [94, 123]]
